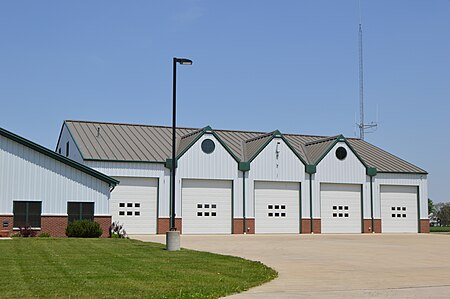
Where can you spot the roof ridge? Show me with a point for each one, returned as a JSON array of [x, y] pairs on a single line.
[[126, 124], [322, 140]]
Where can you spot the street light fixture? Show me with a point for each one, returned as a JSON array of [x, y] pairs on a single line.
[[173, 236]]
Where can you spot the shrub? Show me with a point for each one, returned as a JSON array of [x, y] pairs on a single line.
[[84, 229], [116, 231], [44, 235], [26, 232]]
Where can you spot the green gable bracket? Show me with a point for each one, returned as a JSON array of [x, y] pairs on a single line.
[[168, 163], [341, 138], [277, 134], [244, 166], [207, 129], [371, 171], [311, 169]]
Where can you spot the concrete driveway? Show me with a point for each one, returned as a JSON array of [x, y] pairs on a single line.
[[339, 266]]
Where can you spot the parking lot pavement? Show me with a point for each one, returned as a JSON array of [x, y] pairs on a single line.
[[339, 266]]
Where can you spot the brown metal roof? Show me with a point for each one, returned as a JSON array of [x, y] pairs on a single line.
[[144, 143]]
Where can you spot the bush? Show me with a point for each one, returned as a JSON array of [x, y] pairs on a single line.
[[84, 229], [26, 232], [44, 235], [117, 231]]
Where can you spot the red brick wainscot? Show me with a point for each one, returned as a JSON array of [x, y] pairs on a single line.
[[238, 225], [368, 225], [54, 225], [7, 230], [164, 225], [306, 226], [105, 224], [424, 225]]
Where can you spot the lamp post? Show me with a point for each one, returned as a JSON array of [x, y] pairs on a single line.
[[173, 236]]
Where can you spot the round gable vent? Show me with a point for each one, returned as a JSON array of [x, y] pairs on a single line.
[[341, 153], [208, 146]]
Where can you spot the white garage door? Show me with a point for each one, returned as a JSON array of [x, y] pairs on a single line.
[[399, 209], [133, 204], [206, 206], [340, 206], [277, 207]]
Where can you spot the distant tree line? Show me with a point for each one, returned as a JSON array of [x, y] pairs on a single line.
[[439, 213]]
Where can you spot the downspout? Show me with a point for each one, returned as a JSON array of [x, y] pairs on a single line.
[[243, 202], [310, 203], [371, 204]]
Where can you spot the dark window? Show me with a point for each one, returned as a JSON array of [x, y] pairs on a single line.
[[404, 215], [80, 210], [208, 146], [340, 207], [283, 214], [270, 214], [399, 215], [67, 149], [129, 213], [345, 215], [122, 205], [346, 208], [341, 153], [121, 213], [199, 206], [398, 208], [137, 213], [199, 214], [334, 207], [334, 214], [270, 207], [283, 207], [129, 204], [206, 206], [59, 151], [340, 214], [206, 213], [277, 214], [27, 213], [213, 214], [393, 209], [404, 209], [393, 215], [277, 207], [137, 205], [213, 206]]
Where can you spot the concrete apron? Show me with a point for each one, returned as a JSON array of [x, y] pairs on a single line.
[[339, 266]]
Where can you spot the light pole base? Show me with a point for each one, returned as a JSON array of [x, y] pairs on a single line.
[[172, 240]]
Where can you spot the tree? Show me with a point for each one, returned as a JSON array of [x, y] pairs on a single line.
[[444, 214], [431, 209]]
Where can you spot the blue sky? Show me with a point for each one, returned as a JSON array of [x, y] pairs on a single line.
[[258, 65]]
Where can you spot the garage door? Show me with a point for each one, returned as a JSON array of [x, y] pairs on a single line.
[[399, 209], [133, 204], [340, 206], [277, 207], [206, 206]]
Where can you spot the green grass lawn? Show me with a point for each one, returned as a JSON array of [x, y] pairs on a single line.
[[440, 229], [120, 268]]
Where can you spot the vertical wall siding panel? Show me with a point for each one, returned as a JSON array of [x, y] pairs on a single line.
[[195, 164], [332, 170], [74, 153], [267, 167], [402, 179], [26, 174]]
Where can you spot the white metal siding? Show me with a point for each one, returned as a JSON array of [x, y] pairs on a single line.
[[270, 166], [74, 152], [341, 208], [143, 170], [26, 174], [277, 207], [206, 206], [398, 209], [401, 179], [218, 165], [139, 199], [332, 170]]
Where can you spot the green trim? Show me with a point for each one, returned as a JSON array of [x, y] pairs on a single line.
[[157, 206], [300, 207], [169, 164], [244, 166], [311, 169], [418, 210], [124, 161], [403, 172], [74, 141], [338, 139], [371, 171], [232, 207], [58, 157], [310, 202], [362, 208], [208, 130], [277, 134]]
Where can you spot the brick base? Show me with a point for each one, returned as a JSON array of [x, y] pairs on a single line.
[[238, 226], [105, 224], [424, 225], [54, 225], [164, 225], [368, 225], [306, 226], [6, 231]]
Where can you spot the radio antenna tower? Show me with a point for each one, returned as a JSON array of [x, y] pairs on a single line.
[[363, 127]]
